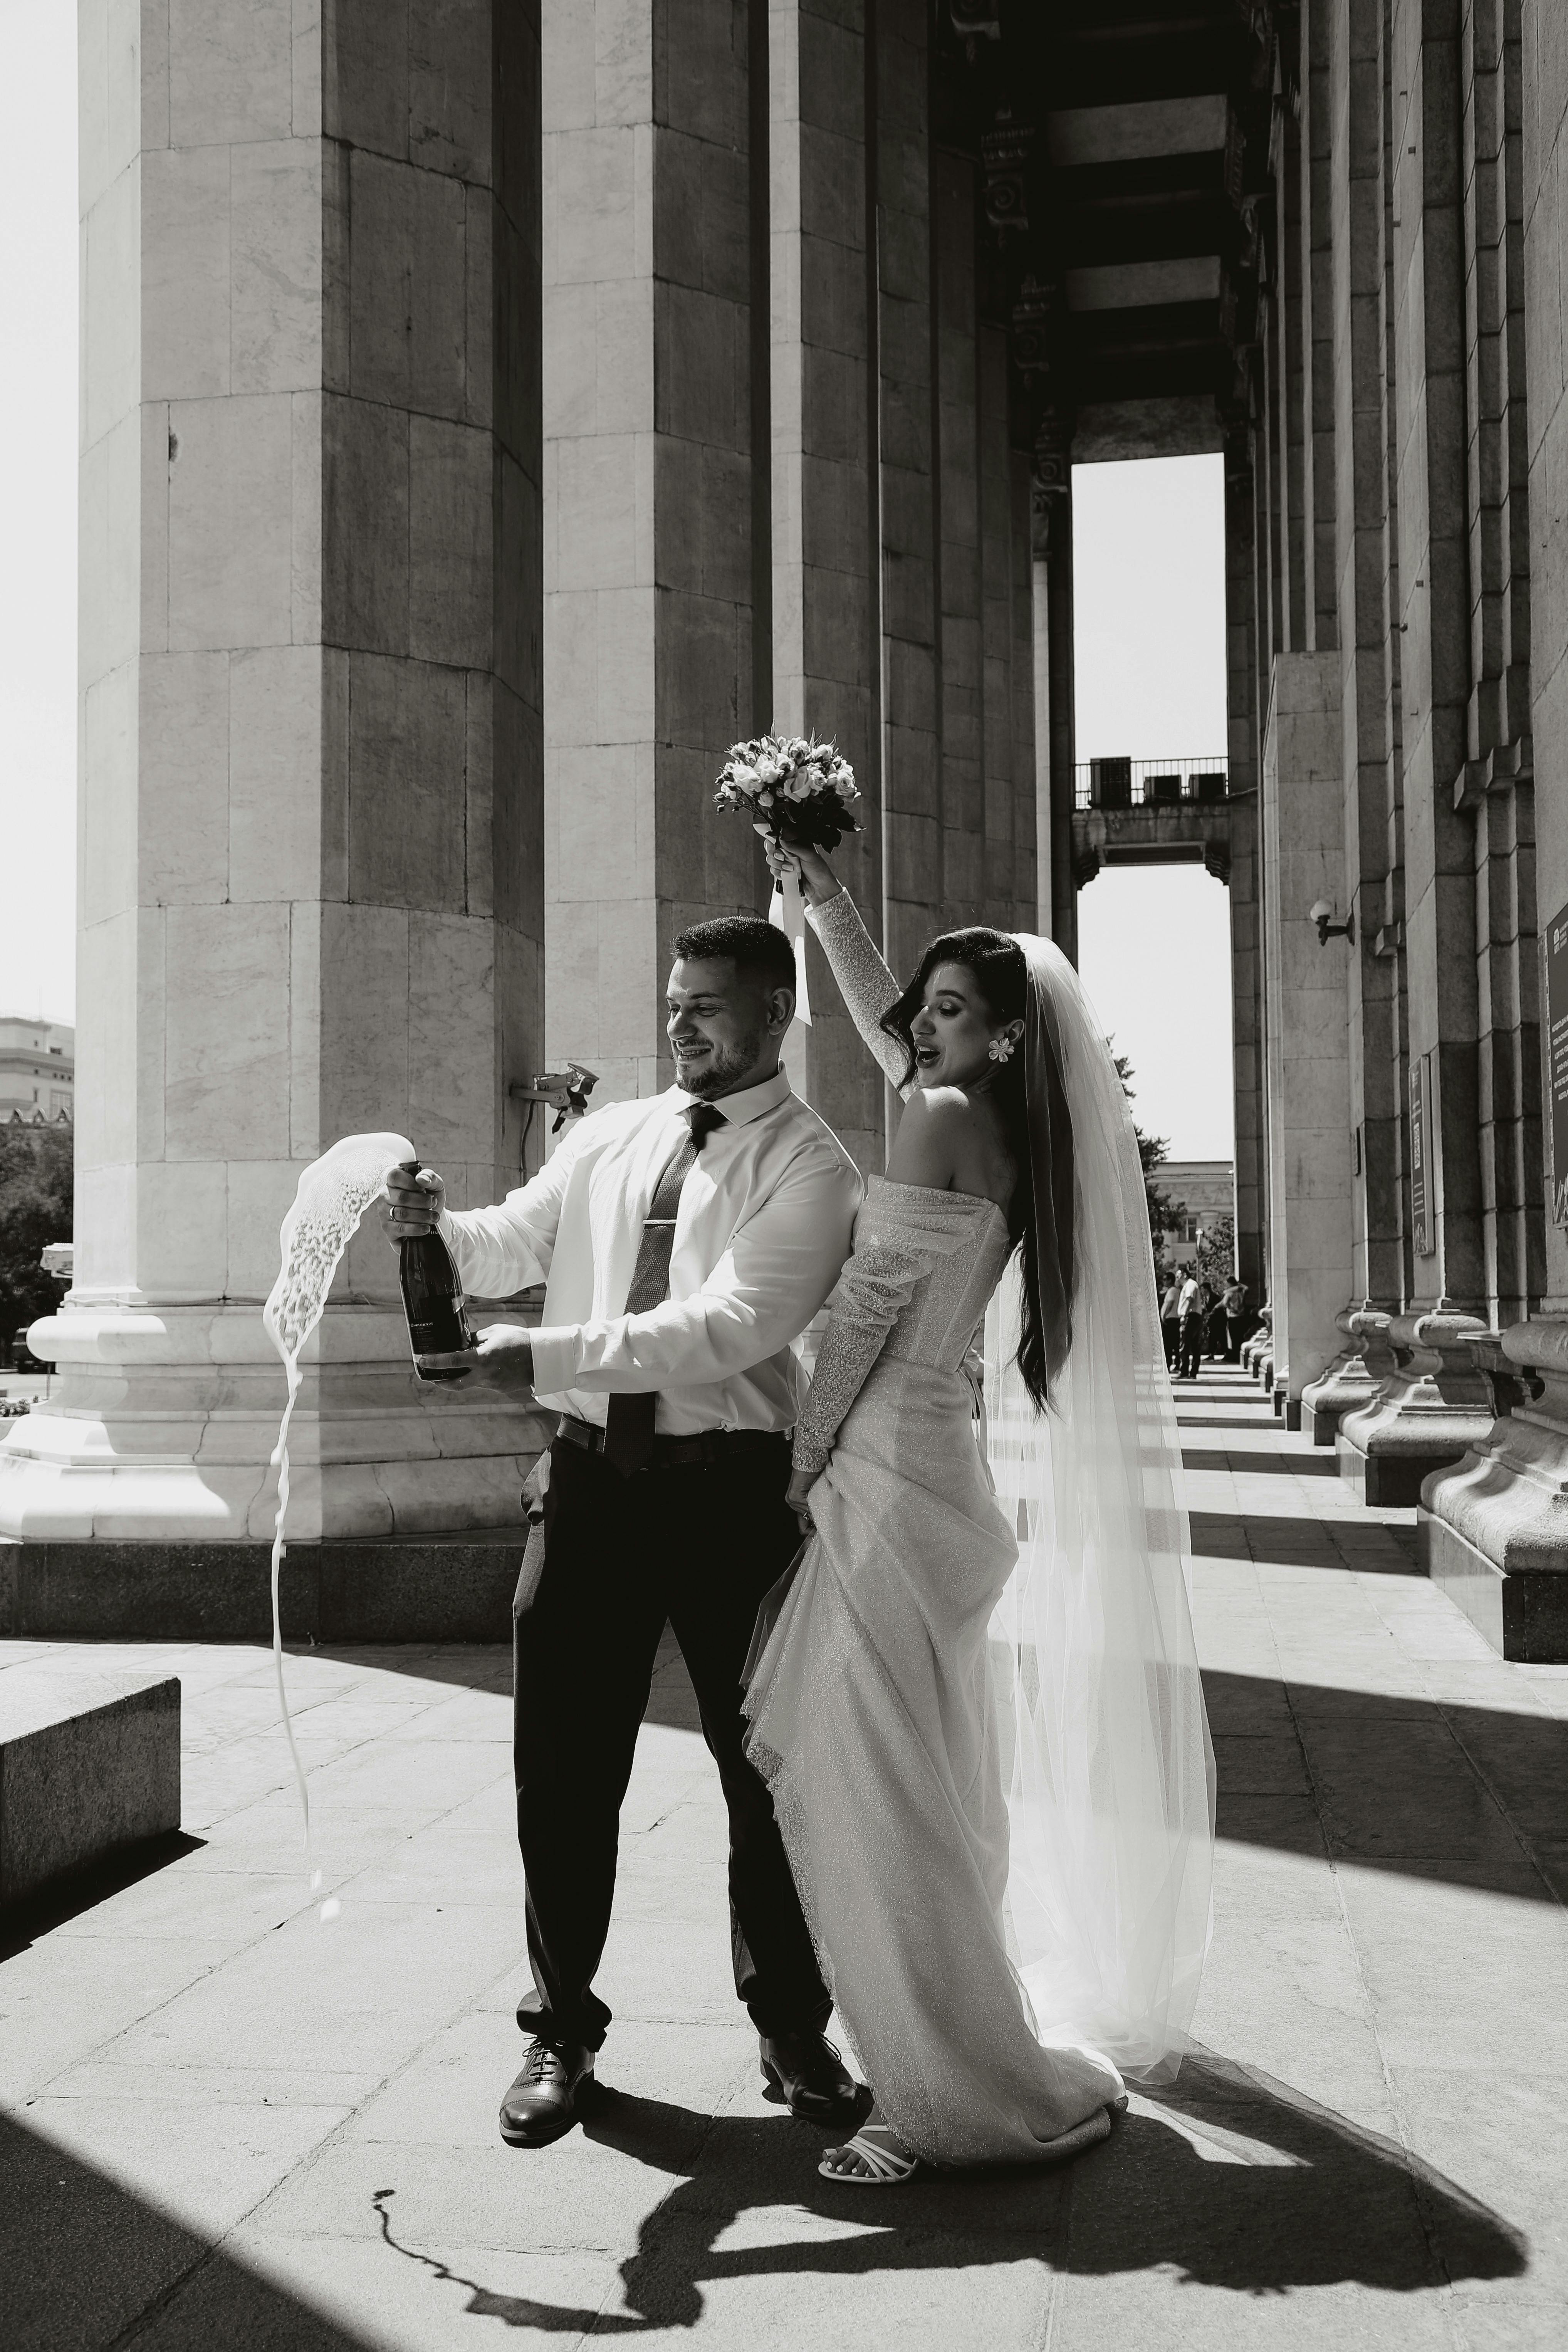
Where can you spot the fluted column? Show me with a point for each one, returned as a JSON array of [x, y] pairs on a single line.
[[310, 768]]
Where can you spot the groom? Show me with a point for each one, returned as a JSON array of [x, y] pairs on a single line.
[[685, 1241]]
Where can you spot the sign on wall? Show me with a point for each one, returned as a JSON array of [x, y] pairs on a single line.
[[1421, 1222], [1554, 948]]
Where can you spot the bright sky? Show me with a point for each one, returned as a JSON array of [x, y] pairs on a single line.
[[38, 512], [1155, 941]]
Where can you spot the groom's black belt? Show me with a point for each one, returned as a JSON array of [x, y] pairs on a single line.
[[678, 1452]]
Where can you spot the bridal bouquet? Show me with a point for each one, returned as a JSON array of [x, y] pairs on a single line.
[[784, 781]]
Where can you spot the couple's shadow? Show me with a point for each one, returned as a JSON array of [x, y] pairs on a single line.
[[1230, 2179]]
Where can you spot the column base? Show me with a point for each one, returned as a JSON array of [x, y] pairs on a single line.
[[1350, 1383], [1431, 1409], [162, 1423], [1495, 1524], [452, 1589], [1523, 1612]]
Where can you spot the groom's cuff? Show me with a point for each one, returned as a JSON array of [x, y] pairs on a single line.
[[557, 1358]]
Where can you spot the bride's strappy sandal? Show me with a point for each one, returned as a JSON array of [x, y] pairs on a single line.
[[885, 2167]]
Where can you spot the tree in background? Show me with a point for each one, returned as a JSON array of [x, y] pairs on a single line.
[[34, 1210], [1165, 1214], [1216, 1255]]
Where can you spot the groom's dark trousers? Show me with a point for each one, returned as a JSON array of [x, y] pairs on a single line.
[[697, 1544]]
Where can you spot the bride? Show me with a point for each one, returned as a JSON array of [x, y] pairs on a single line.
[[978, 1707]]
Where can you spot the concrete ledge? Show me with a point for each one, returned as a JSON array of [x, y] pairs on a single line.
[[1389, 1482], [1523, 1612], [88, 1766], [431, 1589]]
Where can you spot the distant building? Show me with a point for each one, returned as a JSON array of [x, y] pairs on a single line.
[[1204, 1190], [37, 1072]]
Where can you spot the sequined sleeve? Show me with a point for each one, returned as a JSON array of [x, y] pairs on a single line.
[[867, 987], [872, 1291]]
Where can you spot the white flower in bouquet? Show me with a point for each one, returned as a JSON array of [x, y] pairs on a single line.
[[811, 779]]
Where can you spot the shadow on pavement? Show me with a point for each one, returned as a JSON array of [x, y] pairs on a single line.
[[1237, 2181], [68, 1897], [1290, 1466], [1284, 1542], [86, 2263]]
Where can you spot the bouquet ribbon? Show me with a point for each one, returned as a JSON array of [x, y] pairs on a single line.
[[786, 913]]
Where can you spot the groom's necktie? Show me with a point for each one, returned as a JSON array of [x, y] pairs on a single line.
[[628, 1422]]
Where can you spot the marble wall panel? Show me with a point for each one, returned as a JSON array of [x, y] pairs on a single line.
[[364, 519], [596, 537], [275, 238], [112, 550], [258, 1194], [117, 971], [407, 743], [451, 492], [453, 1036], [230, 522], [598, 206], [110, 356], [225, 1032], [184, 739], [273, 771], [366, 99], [450, 65], [364, 1024], [106, 839], [182, 1230], [185, 273], [406, 286], [230, 71]]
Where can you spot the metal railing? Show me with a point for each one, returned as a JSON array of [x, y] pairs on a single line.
[[1147, 783]]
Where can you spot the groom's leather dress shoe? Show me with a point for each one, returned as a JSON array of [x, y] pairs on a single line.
[[549, 2095], [805, 2073]]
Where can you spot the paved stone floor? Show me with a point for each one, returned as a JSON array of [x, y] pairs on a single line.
[[226, 2123]]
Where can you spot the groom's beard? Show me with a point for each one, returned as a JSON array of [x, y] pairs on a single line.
[[720, 1067]]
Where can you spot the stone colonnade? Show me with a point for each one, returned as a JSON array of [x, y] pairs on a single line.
[[408, 656], [1407, 451]]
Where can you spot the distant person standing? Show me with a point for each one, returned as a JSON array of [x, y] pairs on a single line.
[[1235, 1319], [1190, 1314], [1214, 1323], [1171, 1321]]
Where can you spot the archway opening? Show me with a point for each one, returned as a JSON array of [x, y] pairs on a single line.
[[1150, 655]]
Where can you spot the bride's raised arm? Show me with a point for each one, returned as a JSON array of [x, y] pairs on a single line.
[[867, 987]]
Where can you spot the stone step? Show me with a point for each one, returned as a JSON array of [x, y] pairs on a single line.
[[88, 1764]]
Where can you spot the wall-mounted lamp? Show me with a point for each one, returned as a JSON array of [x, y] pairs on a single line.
[[1322, 914], [567, 1090]]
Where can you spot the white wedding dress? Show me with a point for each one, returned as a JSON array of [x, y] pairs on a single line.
[[988, 1757]]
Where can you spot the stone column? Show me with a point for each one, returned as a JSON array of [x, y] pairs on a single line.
[[827, 579], [912, 700], [1495, 1525], [650, 557], [1439, 1402], [1365, 626], [1060, 717], [1247, 1015], [1309, 1155], [964, 743], [310, 892]]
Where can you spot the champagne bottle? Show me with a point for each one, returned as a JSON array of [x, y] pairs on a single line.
[[438, 1329]]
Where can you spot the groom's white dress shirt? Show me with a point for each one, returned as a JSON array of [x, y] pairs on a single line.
[[765, 1220]]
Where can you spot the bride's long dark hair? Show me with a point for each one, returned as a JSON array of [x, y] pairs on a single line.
[[1001, 974]]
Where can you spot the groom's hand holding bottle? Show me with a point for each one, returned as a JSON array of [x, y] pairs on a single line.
[[502, 1359]]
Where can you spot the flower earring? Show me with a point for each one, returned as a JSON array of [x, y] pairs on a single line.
[[1001, 1047]]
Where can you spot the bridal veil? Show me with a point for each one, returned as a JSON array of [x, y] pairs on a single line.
[[1105, 1746]]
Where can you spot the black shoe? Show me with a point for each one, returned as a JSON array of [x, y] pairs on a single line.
[[805, 2073], [549, 2095]]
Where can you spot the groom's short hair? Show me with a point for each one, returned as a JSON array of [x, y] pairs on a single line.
[[754, 947]]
